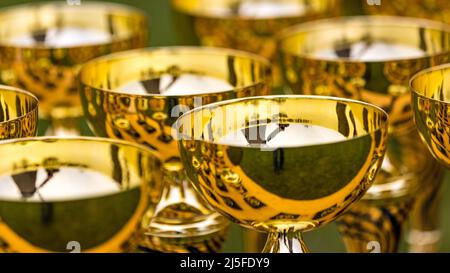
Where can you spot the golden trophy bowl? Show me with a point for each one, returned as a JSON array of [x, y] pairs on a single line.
[[142, 102], [430, 102], [248, 24], [75, 194], [372, 58], [43, 45], [18, 113], [438, 10], [276, 164]]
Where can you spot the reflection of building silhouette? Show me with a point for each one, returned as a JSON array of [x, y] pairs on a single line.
[[260, 138], [257, 134], [153, 86], [345, 49], [27, 182]]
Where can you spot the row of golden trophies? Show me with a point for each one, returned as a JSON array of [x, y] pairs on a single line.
[[156, 182]]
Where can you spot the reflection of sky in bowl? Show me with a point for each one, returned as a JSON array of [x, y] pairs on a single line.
[[261, 9], [67, 183], [374, 51], [289, 136], [61, 37], [184, 84]]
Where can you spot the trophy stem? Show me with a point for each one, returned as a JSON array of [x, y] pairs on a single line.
[[183, 222], [65, 122], [286, 241], [424, 235]]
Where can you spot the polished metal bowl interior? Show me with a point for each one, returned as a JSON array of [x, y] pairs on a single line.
[[87, 192], [381, 81], [289, 185], [49, 70], [148, 118], [184, 222], [247, 24]]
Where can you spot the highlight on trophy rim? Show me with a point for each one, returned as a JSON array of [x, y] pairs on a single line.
[[430, 103], [141, 105], [42, 46], [18, 113], [277, 165], [90, 193]]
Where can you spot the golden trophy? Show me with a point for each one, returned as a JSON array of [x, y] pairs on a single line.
[[278, 165], [141, 103], [372, 59], [250, 25], [18, 113], [430, 103], [75, 194], [43, 45], [438, 10], [424, 224]]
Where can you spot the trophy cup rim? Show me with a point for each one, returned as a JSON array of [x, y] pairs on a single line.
[[170, 50], [362, 20], [35, 101], [110, 8], [197, 14], [384, 116], [422, 73]]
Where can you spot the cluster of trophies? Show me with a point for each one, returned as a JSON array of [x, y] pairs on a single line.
[[192, 137]]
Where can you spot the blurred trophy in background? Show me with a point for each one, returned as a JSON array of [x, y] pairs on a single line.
[[43, 45], [372, 59]]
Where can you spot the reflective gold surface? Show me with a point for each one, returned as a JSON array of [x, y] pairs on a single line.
[[18, 113], [425, 221], [430, 100], [251, 25], [290, 186], [382, 81], [147, 118], [49, 71], [438, 10], [429, 106], [59, 210]]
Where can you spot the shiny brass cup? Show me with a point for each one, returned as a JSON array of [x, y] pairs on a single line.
[[75, 194], [250, 25], [43, 45], [331, 57], [145, 113], [276, 164]]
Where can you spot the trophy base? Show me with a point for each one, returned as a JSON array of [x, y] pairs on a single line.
[[424, 241]]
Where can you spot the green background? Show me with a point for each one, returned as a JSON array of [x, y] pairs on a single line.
[[164, 33]]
